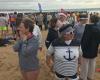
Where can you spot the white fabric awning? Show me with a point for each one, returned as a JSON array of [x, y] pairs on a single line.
[[48, 5]]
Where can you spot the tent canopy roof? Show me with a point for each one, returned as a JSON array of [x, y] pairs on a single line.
[[32, 5]]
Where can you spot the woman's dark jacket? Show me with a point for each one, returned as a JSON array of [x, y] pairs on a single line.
[[90, 40], [52, 35]]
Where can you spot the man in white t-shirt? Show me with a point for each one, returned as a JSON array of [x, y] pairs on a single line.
[[37, 32]]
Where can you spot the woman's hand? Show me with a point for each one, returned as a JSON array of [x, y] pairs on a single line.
[[24, 37]]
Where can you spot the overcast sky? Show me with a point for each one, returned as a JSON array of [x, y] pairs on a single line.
[[50, 4]]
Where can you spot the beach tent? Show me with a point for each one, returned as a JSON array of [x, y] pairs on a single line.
[[48, 5]]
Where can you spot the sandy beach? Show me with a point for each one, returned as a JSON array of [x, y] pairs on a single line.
[[9, 68]]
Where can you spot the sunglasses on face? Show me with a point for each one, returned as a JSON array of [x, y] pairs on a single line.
[[69, 33]]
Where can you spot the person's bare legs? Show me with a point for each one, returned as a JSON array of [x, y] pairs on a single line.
[[32, 75], [24, 75]]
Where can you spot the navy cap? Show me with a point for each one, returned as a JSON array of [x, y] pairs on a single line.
[[66, 28]]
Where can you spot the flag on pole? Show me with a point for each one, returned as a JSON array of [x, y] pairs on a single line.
[[40, 8]]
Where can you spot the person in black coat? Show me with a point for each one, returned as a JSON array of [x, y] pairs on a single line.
[[89, 44], [52, 32]]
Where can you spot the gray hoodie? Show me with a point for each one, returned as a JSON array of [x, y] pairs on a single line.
[[27, 52]]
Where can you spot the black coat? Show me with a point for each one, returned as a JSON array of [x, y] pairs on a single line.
[[90, 40], [52, 35]]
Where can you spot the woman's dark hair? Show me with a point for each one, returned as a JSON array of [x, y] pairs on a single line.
[[20, 15], [19, 19], [28, 23], [94, 19], [53, 22]]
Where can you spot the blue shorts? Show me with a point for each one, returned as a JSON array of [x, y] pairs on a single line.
[[12, 24]]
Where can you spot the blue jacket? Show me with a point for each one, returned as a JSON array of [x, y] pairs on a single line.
[[27, 52], [90, 40]]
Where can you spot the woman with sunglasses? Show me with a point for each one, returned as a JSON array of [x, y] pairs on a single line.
[[66, 52]]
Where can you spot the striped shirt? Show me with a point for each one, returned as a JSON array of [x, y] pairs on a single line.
[[65, 57]]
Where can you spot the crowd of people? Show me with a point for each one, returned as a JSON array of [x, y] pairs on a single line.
[[72, 43]]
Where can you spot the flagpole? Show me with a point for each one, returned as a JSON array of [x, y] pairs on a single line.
[[40, 7]]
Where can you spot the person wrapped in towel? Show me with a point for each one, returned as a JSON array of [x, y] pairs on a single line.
[[63, 55]]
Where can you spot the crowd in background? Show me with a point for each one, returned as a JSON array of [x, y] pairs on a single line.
[[13, 19], [65, 31]]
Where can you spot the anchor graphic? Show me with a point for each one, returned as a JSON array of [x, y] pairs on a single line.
[[69, 59]]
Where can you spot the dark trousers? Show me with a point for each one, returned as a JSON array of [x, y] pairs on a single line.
[[62, 76]]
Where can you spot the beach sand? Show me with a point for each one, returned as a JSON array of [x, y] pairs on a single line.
[[9, 67]]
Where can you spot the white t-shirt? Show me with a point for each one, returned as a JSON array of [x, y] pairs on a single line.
[[37, 33]]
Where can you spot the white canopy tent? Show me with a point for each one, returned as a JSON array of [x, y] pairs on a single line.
[[48, 5]]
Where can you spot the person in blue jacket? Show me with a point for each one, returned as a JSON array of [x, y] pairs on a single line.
[[27, 47]]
